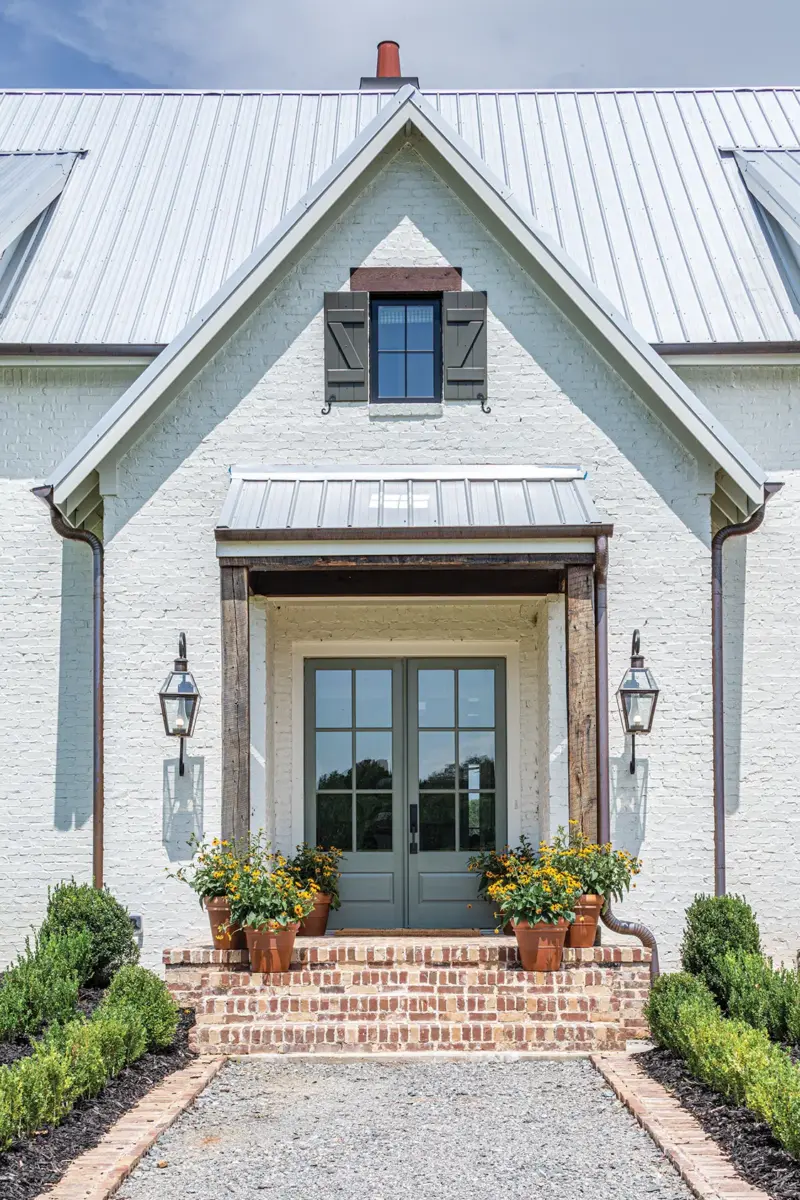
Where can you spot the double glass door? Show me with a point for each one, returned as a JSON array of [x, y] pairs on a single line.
[[405, 772]]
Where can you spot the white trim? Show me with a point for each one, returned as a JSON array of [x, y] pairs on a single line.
[[732, 360], [387, 648], [75, 360], [261, 767], [557, 743], [468, 471], [416, 546]]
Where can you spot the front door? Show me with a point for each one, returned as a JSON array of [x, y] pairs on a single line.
[[405, 772]]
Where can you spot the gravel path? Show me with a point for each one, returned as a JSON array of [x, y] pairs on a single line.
[[386, 1130]]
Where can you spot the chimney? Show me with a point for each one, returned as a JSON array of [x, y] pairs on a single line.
[[387, 77]]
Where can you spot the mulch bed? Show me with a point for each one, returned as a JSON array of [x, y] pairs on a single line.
[[36, 1163], [11, 1052], [746, 1140]]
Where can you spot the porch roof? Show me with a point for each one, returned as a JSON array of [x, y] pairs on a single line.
[[285, 507]]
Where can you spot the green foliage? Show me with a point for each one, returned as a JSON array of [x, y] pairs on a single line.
[[213, 866], [315, 865], [43, 984], [715, 925], [733, 1058], [602, 870], [754, 992], [495, 865], [140, 991], [79, 906]]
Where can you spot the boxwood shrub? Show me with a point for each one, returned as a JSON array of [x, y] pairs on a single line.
[[43, 984], [81, 906], [715, 925]]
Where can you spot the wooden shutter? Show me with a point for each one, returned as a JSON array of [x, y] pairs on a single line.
[[464, 366], [346, 346]]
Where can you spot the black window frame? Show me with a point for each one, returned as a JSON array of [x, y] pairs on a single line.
[[406, 299]]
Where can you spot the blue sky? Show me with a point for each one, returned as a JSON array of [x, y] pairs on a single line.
[[318, 43]]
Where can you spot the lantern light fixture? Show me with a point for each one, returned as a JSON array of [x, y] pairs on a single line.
[[637, 697], [180, 701]]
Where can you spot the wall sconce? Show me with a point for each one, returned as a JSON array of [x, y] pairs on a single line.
[[637, 697], [180, 701]]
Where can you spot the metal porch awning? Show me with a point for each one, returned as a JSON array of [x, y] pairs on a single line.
[[408, 511]]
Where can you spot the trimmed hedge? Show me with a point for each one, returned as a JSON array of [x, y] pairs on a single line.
[[80, 906], [733, 1058], [714, 926], [76, 1059], [43, 984], [754, 992]]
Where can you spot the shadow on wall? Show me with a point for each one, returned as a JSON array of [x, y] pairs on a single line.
[[629, 801], [72, 803], [182, 810]]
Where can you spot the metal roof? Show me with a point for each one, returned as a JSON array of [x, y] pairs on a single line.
[[773, 178], [28, 184], [177, 188], [353, 503]]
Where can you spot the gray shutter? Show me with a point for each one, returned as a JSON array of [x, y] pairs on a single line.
[[346, 346], [464, 364]]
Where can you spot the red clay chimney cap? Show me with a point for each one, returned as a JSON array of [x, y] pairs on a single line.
[[388, 61]]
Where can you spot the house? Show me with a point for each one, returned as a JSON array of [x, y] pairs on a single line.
[[406, 408]]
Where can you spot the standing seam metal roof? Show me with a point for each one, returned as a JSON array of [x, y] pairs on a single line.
[[177, 188]]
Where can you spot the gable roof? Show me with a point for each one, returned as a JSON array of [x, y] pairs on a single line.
[[574, 294], [176, 189]]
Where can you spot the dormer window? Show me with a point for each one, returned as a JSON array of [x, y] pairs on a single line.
[[406, 348]]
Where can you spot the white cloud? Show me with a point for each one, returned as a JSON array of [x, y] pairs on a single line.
[[319, 43]]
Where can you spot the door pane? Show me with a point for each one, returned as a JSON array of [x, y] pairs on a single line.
[[335, 821], [476, 698], [374, 759], [437, 821], [334, 699], [437, 752], [436, 698], [334, 761], [476, 755], [476, 821], [374, 699], [373, 822]]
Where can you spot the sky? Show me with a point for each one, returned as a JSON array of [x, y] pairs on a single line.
[[266, 44]]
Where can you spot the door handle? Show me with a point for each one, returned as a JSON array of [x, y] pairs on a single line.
[[414, 809]]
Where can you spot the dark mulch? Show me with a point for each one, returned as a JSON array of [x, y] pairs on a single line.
[[37, 1162], [746, 1140], [11, 1052]]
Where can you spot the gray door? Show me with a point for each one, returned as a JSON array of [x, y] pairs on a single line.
[[405, 772]]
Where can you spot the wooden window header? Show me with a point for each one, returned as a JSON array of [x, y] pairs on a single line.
[[405, 279]]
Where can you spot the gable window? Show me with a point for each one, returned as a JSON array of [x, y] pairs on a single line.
[[406, 348]]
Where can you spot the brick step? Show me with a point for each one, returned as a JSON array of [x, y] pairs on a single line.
[[548, 1007]]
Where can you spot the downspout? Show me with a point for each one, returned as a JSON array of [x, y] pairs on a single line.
[[65, 530], [615, 924], [718, 678]]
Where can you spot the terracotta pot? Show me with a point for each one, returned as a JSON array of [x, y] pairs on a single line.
[[219, 913], [541, 945], [270, 950], [508, 929], [315, 924], [587, 914]]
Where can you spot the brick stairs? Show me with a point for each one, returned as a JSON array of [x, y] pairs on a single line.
[[411, 994]]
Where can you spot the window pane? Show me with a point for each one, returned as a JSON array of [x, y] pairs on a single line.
[[476, 698], [334, 761], [476, 821], [419, 328], [334, 706], [391, 376], [476, 752], [374, 760], [373, 822], [373, 699], [391, 327], [335, 822], [436, 704], [419, 375], [437, 822], [436, 760]]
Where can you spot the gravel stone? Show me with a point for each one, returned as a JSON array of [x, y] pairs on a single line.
[[383, 1129]]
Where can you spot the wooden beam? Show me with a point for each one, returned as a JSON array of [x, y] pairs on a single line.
[[235, 702], [581, 699], [405, 279]]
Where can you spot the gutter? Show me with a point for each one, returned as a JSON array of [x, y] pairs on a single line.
[[70, 533], [753, 523], [615, 924]]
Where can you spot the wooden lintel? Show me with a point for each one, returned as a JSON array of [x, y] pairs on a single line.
[[581, 699], [235, 702], [405, 279]]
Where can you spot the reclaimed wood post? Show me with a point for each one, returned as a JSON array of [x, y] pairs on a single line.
[[581, 699], [235, 702]]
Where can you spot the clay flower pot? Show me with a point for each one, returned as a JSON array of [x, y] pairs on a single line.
[[219, 914], [587, 914], [541, 946], [315, 924], [270, 950]]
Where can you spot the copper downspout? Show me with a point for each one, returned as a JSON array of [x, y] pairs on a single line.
[[65, 530], [718, 678], [615, 924]]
